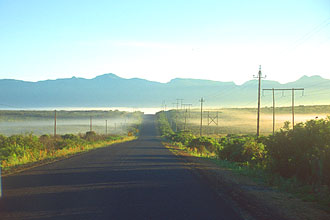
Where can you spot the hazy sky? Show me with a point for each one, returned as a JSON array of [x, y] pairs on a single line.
[[164, 39]]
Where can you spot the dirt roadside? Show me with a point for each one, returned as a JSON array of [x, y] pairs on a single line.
[[251, 199]]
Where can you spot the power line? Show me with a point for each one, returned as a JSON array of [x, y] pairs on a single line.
[[310, 34]]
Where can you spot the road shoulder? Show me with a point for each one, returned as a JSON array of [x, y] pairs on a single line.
[[27, 166], [251, 199]]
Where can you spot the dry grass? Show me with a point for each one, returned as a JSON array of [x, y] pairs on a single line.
[[32, 156]]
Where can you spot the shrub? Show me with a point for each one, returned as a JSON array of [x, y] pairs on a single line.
[[183, 137], [90, 136], [163, 125], [204, 143], [302, 153], [18, 149]]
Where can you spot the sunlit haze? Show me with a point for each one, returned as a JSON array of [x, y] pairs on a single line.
[[162, 40]]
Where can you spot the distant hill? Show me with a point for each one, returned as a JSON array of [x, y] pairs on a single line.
[[109, 90]]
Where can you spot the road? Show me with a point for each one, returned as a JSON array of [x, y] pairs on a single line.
[[140, 179]]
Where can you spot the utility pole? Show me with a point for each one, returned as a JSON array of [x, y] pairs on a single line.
[[293, 90], [90, 123], [177, 104], [259, 77], [55, 126], [201, 126], [185, 120], [273, 111], [181, 100], [186, 108], [273, 107], [176, 114], [292, 108], [106, 127], [189, 106], [164, 105]]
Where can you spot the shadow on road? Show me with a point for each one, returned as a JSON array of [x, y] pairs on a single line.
[[136, 180]]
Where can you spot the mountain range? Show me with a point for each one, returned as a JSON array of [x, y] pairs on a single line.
[[109, 90]]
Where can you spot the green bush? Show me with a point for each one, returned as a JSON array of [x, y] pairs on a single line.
[[303, 152], [16, 146], [183, 137], [163, 125], [204, 143]]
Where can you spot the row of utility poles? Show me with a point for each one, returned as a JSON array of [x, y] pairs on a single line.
[[186, 114], [292, 107], [214, 119], [90, 124], [259, 77]]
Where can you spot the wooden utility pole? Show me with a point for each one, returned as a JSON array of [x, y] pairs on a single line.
[[186, 108], [293, 90], [185, 119], [292, 108], [273, 111], [55, 126], [164, 105], [259, 77], [177, 104], [201, 126], [189, 106], [181, 100], [176, 114], [90, 123], [106, 127], [273, 107]]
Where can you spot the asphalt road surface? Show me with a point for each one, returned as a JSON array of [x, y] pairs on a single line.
[[135, 180]]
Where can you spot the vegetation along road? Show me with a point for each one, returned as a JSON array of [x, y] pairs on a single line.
[[140, 179]]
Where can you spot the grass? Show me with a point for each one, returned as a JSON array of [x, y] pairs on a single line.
[[31, 156], [261, 172], [263, 177], [28, 141], [241, 168]]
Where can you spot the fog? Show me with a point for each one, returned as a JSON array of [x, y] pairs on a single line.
[[66, 126]]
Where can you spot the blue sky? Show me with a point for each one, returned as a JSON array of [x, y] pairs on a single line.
[[161, 40]]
